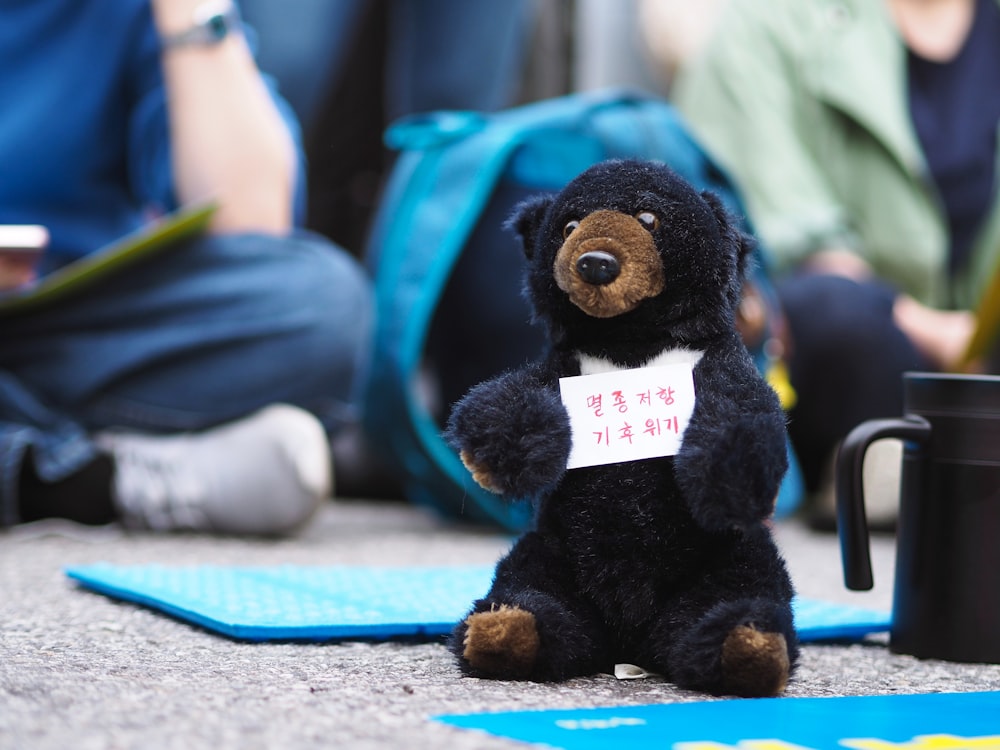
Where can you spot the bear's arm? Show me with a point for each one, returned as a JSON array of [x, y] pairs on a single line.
[[513, 433], [733, 454]]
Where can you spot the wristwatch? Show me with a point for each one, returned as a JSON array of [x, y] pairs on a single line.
[[213, 21]]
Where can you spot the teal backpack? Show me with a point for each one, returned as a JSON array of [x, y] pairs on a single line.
[[447, 275]]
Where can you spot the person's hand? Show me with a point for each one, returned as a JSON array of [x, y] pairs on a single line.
[[837, 262], [15, 271], [940, 335], [21, 247]]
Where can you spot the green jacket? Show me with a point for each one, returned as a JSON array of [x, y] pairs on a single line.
[[804, 102]]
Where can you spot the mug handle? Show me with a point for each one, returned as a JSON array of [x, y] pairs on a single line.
[[852, 524]]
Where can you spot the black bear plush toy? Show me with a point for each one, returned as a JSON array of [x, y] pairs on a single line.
[[664, 562]]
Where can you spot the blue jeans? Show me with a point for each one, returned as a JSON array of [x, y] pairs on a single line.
[[200, 334]]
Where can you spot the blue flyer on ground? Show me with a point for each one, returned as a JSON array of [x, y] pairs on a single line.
[[937, 721]]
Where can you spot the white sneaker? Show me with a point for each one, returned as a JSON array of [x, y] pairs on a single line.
[[265, 474]]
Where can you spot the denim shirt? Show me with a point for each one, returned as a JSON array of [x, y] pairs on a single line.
[[84, 137]]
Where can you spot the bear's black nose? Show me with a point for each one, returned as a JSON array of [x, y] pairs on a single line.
[[598, 267]]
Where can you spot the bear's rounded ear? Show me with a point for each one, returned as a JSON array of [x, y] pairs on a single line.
[[526, 220], [742, 242]]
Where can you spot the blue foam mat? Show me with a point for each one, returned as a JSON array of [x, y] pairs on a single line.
[[936, 721], [305, 603]]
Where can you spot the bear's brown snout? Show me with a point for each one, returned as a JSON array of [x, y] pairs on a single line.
[[608, 264]]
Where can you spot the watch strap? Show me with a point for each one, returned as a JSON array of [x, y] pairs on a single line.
[[213, 21]]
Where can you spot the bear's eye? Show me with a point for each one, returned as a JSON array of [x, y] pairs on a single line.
[[649, 220], [569, 228]]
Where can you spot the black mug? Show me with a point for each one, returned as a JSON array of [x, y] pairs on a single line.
[[946, 598]]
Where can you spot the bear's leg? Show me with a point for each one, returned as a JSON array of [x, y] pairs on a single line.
[[738, 647], [744, 647], [731, 632], [529, 626]]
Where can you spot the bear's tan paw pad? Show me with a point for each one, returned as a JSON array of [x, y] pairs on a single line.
[[503, 641], [754, 664], [480, 474]]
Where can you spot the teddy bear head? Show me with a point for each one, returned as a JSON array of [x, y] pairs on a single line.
[[630, 257]]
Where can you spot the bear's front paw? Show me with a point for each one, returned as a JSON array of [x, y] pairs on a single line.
[[513, 435], [731, 473], [501, 642], [754, 664]]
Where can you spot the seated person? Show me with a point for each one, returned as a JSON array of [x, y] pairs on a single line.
[[863, 135], [196, 389]]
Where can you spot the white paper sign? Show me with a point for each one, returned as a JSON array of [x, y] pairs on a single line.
[[628, 415]]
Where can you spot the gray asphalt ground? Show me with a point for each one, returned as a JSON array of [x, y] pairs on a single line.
[[80, 671]]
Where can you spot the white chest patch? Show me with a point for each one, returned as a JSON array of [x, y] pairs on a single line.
[[597, 365]]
